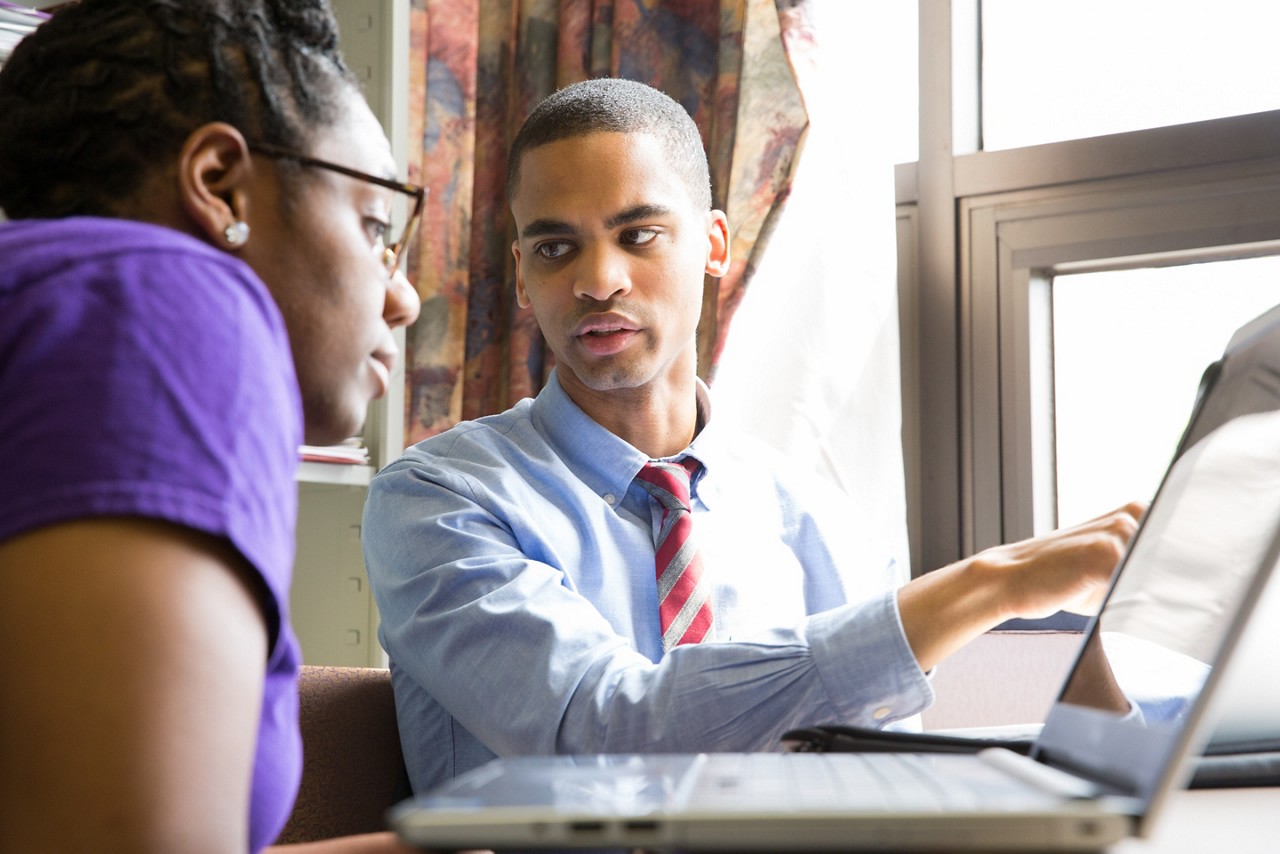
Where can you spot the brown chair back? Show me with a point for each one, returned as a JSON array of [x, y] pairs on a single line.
[[352, 767]]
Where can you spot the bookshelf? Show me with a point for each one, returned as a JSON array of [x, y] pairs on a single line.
[[333, 474], [332, 611]]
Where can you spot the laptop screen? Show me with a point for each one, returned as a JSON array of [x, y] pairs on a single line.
[[1203, 553]]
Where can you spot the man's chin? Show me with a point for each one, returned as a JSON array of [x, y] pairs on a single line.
[[604, 385], [604, 377]]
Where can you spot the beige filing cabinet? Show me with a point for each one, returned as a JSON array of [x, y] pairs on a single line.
[[332, 610]]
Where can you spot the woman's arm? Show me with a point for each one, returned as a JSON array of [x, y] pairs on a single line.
[[132, 655]]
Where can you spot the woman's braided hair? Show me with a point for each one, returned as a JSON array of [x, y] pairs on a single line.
[[106, 92]]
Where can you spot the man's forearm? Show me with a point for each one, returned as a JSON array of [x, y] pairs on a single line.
[[945, 609]]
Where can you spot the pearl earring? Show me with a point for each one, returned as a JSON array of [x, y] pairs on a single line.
[[237, 233]]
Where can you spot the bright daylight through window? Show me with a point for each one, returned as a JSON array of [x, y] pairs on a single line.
[[1067, 69], [1129, 348], [1129, 345]]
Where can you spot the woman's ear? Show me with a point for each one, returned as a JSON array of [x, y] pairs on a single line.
[[214, 169], [718, 244]]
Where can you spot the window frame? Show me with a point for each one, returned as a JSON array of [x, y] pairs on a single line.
[[981, 233]]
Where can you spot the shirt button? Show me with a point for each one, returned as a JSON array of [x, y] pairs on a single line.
[[610, 499], [881, 713]]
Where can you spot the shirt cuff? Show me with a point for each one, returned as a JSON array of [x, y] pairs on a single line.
[[865, 663]]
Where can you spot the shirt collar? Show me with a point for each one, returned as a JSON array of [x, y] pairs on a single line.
[[705, 447], [601, 460]]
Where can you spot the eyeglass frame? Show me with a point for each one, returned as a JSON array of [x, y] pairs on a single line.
[[391, 253]]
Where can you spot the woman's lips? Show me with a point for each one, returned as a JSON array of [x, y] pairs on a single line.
[[381, 363]]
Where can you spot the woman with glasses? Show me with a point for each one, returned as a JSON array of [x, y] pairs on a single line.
[[198, 275]]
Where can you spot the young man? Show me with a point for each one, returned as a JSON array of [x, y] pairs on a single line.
[[514, 558]]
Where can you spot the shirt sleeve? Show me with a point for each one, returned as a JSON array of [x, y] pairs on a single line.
[[529, 666], [138, 388]]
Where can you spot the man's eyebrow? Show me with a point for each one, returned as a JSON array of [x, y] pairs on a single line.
[[635, 214], [545, 226]]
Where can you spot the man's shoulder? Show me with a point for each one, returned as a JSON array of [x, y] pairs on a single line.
[[505, 435], [500, 459]]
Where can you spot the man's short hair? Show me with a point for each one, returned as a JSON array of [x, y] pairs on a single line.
[[612, 105]]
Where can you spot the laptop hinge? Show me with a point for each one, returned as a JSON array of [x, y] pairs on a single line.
[[1043, 777]]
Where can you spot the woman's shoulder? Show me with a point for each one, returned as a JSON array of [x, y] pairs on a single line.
[[87, 251], [69, 239], [111, 274]]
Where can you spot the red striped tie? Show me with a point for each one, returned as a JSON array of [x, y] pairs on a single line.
[[684, 605]]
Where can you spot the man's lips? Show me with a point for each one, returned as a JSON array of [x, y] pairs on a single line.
[[604, 324], [605, 335]]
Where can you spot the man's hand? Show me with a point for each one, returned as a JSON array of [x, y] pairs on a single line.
[[1068, 569]]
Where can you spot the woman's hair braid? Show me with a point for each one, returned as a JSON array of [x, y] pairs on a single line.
[[107, 91]]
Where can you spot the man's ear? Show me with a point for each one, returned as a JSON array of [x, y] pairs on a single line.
[[214, 169], [718, 244], [522, 295]]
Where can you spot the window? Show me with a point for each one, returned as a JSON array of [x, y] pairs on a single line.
[[1129, 348], [1027, 267], [1055, 70], [1026, 251]]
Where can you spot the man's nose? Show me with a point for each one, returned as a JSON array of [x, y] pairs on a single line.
[[602, 274]]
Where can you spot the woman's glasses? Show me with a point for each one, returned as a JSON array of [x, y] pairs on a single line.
[[391, 253]]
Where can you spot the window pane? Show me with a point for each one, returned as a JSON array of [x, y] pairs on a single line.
[[1129, 348], [1068, 69]]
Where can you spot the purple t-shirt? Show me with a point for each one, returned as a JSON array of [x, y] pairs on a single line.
[[145, 373]]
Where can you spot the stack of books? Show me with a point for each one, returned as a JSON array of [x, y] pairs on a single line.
[[351, 452]]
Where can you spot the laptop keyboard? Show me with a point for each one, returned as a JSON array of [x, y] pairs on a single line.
[[844, 781]]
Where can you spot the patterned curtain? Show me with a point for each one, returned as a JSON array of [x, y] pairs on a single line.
[[478, 67]]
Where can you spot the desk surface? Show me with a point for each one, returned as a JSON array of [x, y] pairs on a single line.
[[1238, 821]]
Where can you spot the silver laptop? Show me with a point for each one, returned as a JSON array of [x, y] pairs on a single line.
[[1132, 710]]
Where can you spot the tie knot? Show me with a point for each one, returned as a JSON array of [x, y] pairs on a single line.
[[668, 482]]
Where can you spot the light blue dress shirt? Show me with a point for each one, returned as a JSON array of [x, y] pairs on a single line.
[[512, 561]]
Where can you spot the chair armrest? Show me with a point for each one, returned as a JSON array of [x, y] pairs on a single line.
[[352, 767]]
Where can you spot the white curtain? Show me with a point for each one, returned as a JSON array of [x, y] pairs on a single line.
[[811, 362]]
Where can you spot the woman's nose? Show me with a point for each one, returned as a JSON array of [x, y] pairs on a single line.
[[402, 304]]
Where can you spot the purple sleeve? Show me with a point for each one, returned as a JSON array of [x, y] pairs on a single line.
[[157, 384]]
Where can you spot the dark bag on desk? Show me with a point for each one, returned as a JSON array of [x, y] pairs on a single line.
[[1221, 766], [1230, 765], [852, 739]]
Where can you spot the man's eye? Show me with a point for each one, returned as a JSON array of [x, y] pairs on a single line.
[[638, 236], [552, 249]]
